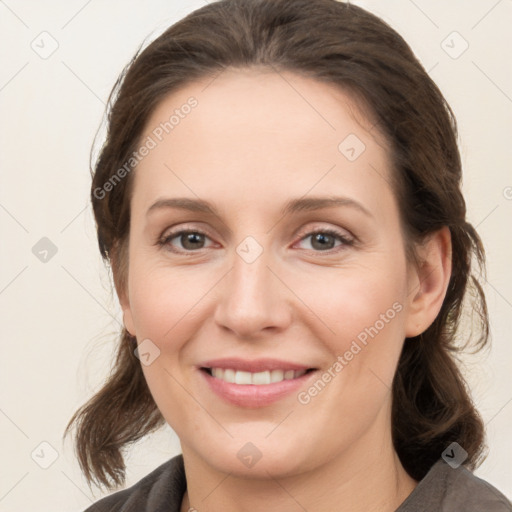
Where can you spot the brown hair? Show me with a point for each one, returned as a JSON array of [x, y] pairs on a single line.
[[344, 45]]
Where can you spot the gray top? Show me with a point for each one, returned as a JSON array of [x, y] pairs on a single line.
[[443, 489]]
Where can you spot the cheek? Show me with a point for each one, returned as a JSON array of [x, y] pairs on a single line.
[[343, 304], [357, 314], [163, 298]]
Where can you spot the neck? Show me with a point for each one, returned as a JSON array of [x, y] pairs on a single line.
[[358, 480]]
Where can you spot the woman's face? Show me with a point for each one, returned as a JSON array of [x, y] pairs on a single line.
[[272, 276]]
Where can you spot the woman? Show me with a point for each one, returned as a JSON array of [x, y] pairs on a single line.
[[279, 199]]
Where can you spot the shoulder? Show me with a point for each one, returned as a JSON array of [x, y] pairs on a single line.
[[472, 493], [450, 489], [163, 487]]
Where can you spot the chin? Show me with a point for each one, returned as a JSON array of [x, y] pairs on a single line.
[[260, 459]]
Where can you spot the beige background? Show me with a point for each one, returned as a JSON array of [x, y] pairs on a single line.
[[59, 318]]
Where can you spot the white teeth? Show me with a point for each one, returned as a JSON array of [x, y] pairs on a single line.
[[276, 375], [243, 378], [227, 375], [217, 372], [288, 374], [259, 378]]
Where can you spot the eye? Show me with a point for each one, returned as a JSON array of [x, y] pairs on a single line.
[[324, 239], [190, 240], [193, 240]]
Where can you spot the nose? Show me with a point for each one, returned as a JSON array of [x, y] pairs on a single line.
[[253, 299]]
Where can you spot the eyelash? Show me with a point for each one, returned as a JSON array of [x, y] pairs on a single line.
[[346, 242]]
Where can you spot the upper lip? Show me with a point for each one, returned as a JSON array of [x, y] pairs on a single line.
[[253, 365]]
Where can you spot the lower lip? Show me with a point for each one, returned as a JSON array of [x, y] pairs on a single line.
[[252, 395]]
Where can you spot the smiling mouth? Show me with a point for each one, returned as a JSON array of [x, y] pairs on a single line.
[[263, 378]]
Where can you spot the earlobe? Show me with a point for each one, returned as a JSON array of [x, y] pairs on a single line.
[[430, 282], [127, 312], [128, 322]]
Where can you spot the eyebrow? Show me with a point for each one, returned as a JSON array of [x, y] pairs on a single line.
[[295, 205]]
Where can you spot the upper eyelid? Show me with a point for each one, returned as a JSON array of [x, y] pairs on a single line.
[[175, 231], [338, 230], [304, 231]]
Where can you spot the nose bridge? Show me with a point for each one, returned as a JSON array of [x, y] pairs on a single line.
[[251, 275], [252, 298]]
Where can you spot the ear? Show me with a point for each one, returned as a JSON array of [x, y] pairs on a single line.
[[119, 265], [127, 314], [429, 281]]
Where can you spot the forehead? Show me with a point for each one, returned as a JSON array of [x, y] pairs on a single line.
[[262, 132]]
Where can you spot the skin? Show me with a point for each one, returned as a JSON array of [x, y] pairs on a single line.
[[253, 143]]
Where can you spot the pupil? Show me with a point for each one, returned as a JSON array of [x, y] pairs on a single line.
[[191, 238], [321, 239]]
